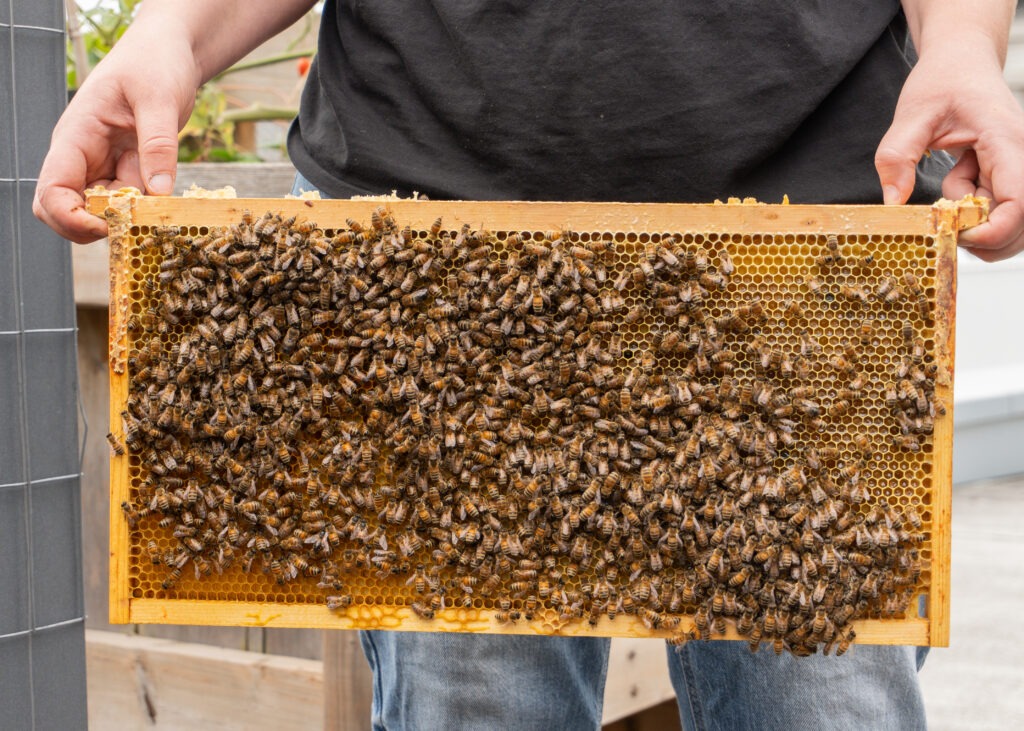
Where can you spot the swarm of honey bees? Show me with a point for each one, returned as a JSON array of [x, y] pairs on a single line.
[[461, 413]]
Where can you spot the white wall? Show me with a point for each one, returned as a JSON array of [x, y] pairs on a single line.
[[989, 383]]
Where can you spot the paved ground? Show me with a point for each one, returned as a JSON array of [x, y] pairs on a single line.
[[978, 681]]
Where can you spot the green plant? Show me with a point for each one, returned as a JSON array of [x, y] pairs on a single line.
[[209, 135], [92, 32]]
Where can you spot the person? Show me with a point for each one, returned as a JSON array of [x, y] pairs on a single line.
[[592, 102]]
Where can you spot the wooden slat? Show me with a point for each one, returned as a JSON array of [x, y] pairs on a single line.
[[637, 678], [119, 479], [308, 643], [941, 491], [91, 268], [253, 614], [348, 703], [662, 717], [95, 393], [516, 215], [140, 682], [146, 683], [248, 179]]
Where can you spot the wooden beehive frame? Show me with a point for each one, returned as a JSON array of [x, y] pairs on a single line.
[[942, 222]]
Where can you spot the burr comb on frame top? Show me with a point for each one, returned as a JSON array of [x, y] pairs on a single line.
[[556, 418]]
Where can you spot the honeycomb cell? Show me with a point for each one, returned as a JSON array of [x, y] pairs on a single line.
[[713, 392]]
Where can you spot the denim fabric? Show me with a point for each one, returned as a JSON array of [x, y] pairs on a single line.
[[439, 681], [723, 686], [460, 682]]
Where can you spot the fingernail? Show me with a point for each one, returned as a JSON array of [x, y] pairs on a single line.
[[891, 195], [160, 184]]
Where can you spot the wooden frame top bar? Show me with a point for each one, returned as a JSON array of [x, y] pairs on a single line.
[[736, 218]]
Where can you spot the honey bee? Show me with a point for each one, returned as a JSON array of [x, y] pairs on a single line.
[[421, 610], [911, 514], [893, 295], [908, 442], [116, 448], [172, 577], [725, 264], [854, 294], [917, 350], [791, 309], [839, 408]]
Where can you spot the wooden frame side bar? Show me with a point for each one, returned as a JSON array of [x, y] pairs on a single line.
[[119, 220]]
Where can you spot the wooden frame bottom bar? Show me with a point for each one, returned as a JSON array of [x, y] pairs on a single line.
[[910, 631]]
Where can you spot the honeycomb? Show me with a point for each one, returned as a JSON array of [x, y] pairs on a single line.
[[695, 432]]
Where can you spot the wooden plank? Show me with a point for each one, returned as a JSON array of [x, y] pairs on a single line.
[[941, 492], [233, 638], [95, 392], [308, 643], [622, 725], [255, 614], [143, 682], [146, 683], [120, 484], [349, 700], [637, 678], [662, 717], [517, 215], [248, 179], [91, 268]]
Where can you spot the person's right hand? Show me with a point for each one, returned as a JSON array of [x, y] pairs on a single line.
[[121, 129]]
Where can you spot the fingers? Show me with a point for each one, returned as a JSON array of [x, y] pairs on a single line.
[[1001, 237], [999, 178], [962, 179], [63, 210], [58, 200], [127, 173], [157, 127], [897, 155]]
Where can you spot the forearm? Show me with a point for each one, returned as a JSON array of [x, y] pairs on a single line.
[[984, 25], [219, 31]]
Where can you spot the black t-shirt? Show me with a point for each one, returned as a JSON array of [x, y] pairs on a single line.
[[600, 100]]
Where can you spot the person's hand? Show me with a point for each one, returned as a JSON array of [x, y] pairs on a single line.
[[955, 99], [121, 129]]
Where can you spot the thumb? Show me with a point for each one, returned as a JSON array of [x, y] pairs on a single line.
[[157, 129], [898, 153]]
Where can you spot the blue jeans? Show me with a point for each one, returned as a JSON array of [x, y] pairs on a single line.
[[462, 682], [445, 681]]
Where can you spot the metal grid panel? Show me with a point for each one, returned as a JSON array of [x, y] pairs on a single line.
[[42, 643]]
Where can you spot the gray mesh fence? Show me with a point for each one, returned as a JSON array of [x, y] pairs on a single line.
[[42, 641]]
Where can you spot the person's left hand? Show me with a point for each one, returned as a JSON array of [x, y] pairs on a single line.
[[955, 99]]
